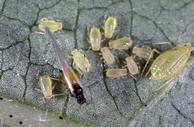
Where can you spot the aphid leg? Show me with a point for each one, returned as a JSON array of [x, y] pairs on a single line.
[[56, 79], [38, 32], [162, 86], [162, 43], [147, 62]]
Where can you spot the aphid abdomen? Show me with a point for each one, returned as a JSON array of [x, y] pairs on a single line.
[[169, 64]]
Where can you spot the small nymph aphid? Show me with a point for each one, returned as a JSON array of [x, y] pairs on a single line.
[[132, 66], [46, 86], [107, 55], [80, 61], [95, 38], [144, 52], [110, 25], [123, 43], [116, 72], [170, 63], [53, 25]]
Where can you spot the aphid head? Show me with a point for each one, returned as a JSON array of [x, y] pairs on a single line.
[[78, 94], [187, 46]]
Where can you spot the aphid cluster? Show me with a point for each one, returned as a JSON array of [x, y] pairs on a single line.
[[108, 42], [140, 59]]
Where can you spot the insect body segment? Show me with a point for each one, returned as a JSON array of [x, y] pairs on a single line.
[[170, 63], [80, 61], [51, 24], [110, 25], [69, 75], [95, 38], [123, 43]]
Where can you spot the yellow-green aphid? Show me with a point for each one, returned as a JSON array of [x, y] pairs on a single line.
[[107, 56], [53, 25], [110, 25], [80, 61], [143, 52], [132, 66], [95, 38], [116, 72], [46, 86], [123, 43], [170, 63]]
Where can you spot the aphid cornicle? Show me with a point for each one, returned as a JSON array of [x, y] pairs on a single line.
[[110, 25], [170, 63], [132, 66], [123, 43], [95, 38], [80, 61], [70, 77], [46, 86], [53, 25], [107, 56], [116, 72]]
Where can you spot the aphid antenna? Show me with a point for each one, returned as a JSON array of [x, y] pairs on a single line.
[[163, 85]]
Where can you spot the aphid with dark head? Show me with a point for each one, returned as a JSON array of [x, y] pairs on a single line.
[[70, 77]]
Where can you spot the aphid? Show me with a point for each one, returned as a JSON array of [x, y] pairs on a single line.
[[132, 66], [170, 63], [46, 86], [53, 25], [110, 25], [123, 43], [107, 56], [116, 72], [95, 38], [70, 77], [80, 61], [144, 52]]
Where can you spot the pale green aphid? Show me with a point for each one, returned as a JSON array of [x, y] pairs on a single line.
[[80, 61], [95, 38], [123, 43], [116, 72], [107, 56], [46, 86], [170, 63], [110, 25]]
